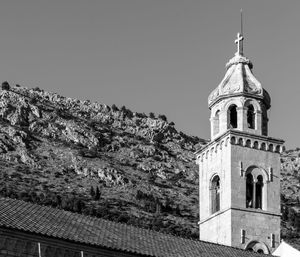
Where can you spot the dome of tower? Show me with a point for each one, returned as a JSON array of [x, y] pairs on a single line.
[[239, 80]]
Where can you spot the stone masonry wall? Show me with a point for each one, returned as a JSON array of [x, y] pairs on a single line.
[[262, 160], [258, 227], [231, 157], [217, 229], [215, 162]]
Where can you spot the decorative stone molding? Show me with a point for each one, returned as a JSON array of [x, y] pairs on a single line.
[[214, 149], [258, 171], [255, 144], [239, 59], [241, 139], [239, 79], [270, 173], [242, 172]]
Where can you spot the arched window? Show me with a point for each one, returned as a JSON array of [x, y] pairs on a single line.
[[232, 140], [258, 247], [259, 192], [256, 250], [251, 117], [264, 122], [215, 194], [232, 112], [255, 145], [254, 191], [241, 142], [248, 143], [271, 147], [277, 150], [249, 191], [217, 123]]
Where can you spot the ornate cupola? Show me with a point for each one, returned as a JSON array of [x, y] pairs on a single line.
[[245, 95], [239, 169]]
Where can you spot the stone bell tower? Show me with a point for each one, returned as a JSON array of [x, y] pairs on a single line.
[[239, 170]]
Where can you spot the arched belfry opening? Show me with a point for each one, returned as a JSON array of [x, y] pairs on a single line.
[[215, 194], [251, 117], [249, 191], [254, 191], [264, 122], [232, 116], [259, 192], [216, 125]]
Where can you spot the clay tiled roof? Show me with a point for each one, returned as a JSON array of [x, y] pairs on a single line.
[[65, 225]]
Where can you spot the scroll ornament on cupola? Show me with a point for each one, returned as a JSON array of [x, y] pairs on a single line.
[[239, 79]]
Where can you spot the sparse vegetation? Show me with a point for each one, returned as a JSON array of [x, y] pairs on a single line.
[[152, 115], [5, 86], [92, 159], [162, 117], [37, 89], [290, 200], [89, 158], [114, 108], [127, 113]]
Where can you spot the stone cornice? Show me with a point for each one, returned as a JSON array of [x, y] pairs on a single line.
[[239, 209], [239, 59], [222, 97], [236, 133]]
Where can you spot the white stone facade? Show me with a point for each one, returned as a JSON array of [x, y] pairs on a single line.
[[239, 170], [231, 157]]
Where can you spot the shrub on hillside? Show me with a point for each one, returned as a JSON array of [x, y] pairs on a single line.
[[97, 194], [5, 86], [152, 115], [140, 115], [37, 89], [92, 192], [128, 113], [33, 100], [114, 108], [162, 117], [158, 137], [293, 218]]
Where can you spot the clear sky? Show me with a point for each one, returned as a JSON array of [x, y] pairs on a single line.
[[161, 56]]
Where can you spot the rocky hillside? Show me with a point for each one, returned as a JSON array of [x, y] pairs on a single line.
[[290, 196], [111, 162], [97, 160]]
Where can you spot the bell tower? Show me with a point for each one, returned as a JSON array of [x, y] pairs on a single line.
[[239, 169]]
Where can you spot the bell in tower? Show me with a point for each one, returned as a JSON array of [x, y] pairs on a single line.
[[239, 170]]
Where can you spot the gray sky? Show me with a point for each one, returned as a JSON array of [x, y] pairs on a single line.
[[163, 56]]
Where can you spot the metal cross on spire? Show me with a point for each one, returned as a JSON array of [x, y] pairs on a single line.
[[240, 38]]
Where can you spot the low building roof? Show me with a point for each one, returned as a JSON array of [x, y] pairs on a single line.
[[59, 224], [286, 250]]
